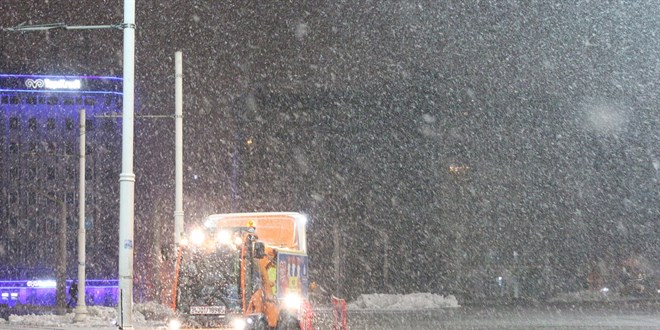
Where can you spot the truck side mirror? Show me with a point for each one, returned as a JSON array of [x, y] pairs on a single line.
[[259, 250]]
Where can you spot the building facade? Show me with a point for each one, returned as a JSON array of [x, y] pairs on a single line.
[[39, 172]]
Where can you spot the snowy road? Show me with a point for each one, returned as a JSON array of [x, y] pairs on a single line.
[[626, 316], [566, 317]]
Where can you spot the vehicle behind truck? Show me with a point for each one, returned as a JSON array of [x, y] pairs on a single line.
[[243, 271]]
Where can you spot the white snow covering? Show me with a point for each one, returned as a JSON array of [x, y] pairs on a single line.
[[154, 315], [144, 315], [586, 295], [403, 302]]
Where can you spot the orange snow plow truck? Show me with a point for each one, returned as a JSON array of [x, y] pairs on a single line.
[[244, 271]]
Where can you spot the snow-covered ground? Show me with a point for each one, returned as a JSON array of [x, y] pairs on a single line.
[[403, 302], [145, 316], [154, 316], [374, 308]]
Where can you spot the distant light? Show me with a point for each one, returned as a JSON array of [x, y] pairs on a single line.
[[195, 176], [461, 169], [604, 290], [249, 141]]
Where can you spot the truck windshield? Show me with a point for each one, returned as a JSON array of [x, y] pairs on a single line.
[[208, 278]]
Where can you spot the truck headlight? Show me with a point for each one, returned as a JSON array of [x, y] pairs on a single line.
[[174, 324], [197, 237], [239, 324], [292, 301], [224, 237]]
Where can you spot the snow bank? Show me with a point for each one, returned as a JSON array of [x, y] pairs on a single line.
[[403, 302], [97, 316], [584, 296]]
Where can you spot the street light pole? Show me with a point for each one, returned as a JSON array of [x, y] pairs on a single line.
[[81, 308], [178, 117], [127, 177]]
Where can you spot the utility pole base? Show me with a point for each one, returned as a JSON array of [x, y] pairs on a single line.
[[81, 314]]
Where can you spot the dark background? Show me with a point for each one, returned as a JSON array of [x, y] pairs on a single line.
[[354, 112]]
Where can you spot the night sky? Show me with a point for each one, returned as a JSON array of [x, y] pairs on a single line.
[[354, 112]]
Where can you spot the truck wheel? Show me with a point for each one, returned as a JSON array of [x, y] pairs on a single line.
[[288, 322], [261, 325]]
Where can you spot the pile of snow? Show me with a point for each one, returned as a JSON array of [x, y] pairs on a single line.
[[97, 317], [153, 311], [586, 295], [403, 302]]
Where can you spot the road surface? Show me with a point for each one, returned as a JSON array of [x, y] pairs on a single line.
[[566, 316]]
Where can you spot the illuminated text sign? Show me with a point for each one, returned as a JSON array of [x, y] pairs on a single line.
[[53, 83]]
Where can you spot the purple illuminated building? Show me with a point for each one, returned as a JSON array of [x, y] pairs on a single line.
[[39, 157]]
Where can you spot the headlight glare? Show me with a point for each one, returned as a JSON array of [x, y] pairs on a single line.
[[239, 324], [292, 301], [174, 324]]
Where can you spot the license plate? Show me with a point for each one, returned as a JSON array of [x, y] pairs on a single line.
[[215, 310]]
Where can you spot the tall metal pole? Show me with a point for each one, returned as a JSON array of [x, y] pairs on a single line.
[[60, 295], [178, 211], [337, 259], [127, 177], [81, 308]]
